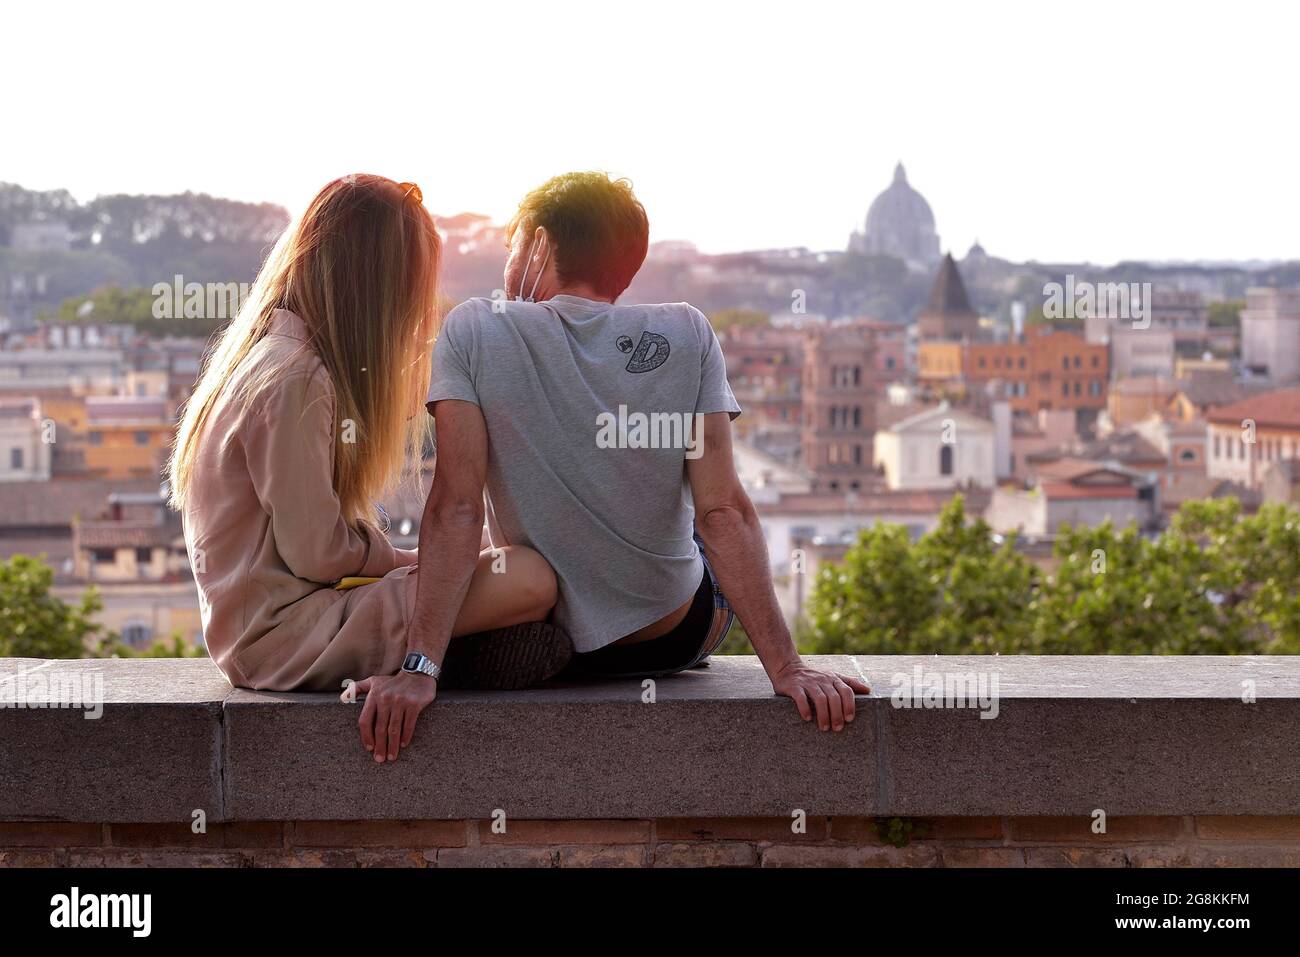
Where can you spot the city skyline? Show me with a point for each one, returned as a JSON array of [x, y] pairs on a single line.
[[1067, 140]]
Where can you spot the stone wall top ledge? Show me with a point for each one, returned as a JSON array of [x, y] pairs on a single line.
[[1064, 735]]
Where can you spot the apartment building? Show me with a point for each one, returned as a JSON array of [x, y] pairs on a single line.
[[1047, 368], [1245, 438]]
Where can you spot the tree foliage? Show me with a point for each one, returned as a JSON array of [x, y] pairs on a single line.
[[1225, 313], [34, 623], [137, 241], [1216, 582]]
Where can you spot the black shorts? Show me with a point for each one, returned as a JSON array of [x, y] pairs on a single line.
[[693, 639]]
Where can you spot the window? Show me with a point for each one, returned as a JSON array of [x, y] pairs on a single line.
[[1095, 362], [1094, 387], [857, 458], [143, 556], [1021, 363], [803, 533], [945, 460], [1077, 362], [857, 416], [104, 556], [137, 634], [96, 438], [16, 459], [1065, 363], [1065, 389], [142, 438], [1188, 455], [1218, 451]]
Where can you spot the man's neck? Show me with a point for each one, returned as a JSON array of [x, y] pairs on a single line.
[[581, 291]]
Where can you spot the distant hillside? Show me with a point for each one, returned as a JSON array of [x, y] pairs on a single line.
[[53, 249], [124, 240]]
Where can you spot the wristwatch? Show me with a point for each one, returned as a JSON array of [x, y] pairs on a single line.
[[418, 664]]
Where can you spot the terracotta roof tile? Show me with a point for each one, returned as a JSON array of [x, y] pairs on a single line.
[[1277, 409], [54, 503]]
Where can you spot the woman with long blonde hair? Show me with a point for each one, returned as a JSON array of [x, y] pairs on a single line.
[[309, 410]]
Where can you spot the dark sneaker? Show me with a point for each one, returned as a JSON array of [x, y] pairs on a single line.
[[506, 658]]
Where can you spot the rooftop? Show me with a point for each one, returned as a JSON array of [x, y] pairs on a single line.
[[948, 294], [1277, 409]]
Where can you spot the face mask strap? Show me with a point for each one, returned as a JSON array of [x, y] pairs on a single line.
[[537, 280], [532, 294]]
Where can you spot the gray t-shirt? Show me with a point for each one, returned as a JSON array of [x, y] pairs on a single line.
[[589, 410]]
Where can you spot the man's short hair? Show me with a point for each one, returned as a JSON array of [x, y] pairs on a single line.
[[598, 226]]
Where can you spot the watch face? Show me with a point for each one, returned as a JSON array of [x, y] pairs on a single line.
[[412, 661]]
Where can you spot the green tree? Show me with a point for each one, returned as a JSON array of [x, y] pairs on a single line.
[[1116, 592], [1215, 582], [131, 307], [35, 623], [1226, 313], [173, 646], [955, 591]]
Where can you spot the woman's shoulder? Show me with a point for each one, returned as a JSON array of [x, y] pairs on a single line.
[[281, 369]]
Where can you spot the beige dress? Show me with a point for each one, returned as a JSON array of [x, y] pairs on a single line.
[[267, 539]]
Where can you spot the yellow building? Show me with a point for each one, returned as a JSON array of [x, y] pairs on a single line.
[[939, 361], [127, 436]]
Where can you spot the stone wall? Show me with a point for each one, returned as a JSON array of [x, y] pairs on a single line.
[[1067, 761]]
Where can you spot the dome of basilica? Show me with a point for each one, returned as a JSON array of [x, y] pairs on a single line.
[[900, 223]]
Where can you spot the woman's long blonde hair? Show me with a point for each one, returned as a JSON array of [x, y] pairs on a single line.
[[360, 268]]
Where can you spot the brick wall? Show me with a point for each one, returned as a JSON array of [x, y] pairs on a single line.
[[1206, 841]]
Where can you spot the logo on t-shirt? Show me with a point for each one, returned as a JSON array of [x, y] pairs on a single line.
[[650, 353]]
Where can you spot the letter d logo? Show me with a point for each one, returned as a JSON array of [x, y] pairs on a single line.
[[651, 352]]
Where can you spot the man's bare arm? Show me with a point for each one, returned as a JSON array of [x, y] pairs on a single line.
[[734, 544], [449, 547], [451, 528]]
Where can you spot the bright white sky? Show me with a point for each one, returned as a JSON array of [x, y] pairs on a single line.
[[1098, 130]]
